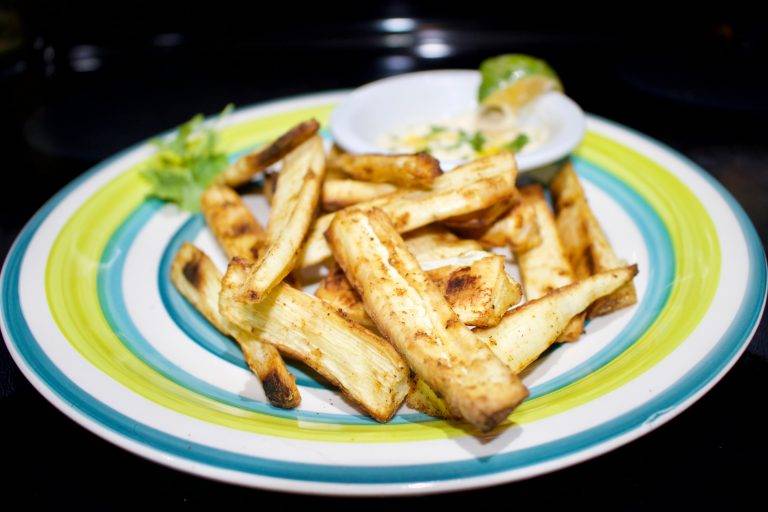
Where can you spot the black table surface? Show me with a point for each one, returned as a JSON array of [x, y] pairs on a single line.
[[72, 94]]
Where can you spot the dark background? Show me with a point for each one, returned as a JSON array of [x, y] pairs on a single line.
[[79, 81]]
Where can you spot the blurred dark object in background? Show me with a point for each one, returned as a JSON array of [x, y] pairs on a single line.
[[87, 79], [82, 80]]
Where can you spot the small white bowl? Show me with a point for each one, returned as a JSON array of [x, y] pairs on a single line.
[[379, 108]]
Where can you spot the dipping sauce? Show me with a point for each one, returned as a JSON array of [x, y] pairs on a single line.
[[479, 133]]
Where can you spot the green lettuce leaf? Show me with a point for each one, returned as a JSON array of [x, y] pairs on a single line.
[[185, 163], [517, 144]]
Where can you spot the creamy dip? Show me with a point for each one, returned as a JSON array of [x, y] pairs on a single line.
[[466, 137]]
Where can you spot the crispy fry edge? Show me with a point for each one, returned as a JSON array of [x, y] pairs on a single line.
[[198, 280], [410, 171], [232, 223], [246, 167]]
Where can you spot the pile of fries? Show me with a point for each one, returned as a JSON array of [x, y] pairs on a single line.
[[415, 306]]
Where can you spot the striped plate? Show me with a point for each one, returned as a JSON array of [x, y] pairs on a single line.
[[90, 317]]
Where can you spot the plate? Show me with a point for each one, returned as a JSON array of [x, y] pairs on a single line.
[[91, 319], [382, 107]]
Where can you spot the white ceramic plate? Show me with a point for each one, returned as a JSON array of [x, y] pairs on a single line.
[[91, 319], [383, 107]]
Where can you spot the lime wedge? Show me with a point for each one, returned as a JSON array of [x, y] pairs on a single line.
[[515, 79]]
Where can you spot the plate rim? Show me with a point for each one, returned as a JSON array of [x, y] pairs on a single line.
[[313, 487]]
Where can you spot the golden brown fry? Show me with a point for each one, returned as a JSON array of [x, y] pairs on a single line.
[[408, 171], [527, 331], [365, 367], [517, 229], [196, 277], [233, 224], [293, 210], [410, 311], [591, 246], [569, 200], [478, 169], [468, 188], [479, 291], [340, 193], [236, 229], [434, 242], [482, 219], [573, 235], [257, 161], [421, 398], [337, 291], [545, 267]]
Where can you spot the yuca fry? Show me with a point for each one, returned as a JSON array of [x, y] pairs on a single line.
[[573, 235], [410, 311], [198, 280], [545, 268], [602, 257], [593, 248], [233, 224], [340, 193], [517, 229], [336, 290], [480, 293], [421, 398], [481, 219], [435, 242], [569, 201], [246, 167], [468, 188], [478, 169], [365, 367], [293, 209], [238, 232], [409, 171], [478, 290], [528, 330]]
